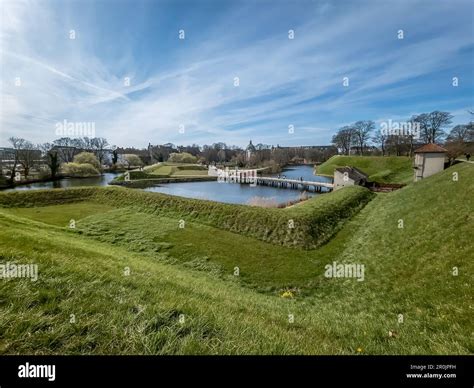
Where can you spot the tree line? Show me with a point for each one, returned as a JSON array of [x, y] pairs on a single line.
[[360, 138], [401, 138], [27, 155]]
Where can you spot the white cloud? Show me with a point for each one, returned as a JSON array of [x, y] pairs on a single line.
[[282, 81]]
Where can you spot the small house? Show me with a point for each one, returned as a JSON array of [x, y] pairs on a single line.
[[429, 160], [349, 176]]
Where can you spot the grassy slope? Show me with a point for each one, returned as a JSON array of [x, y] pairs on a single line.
[[61, 215], [408, 271], [384, 169], [262, 265], [176, 169], [314, 222]]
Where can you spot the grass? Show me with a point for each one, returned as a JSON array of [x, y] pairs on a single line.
[[196, 246], [307, 225], [164, 173], [188, 173], [204, 248], [383, 169], [189, 273], [60, 215], [175, 170]]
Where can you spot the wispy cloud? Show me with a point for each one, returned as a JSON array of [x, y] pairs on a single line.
[[191, 82]]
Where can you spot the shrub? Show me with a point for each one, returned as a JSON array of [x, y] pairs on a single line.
[[183, 157], [132, 160], [79, 170], [87, 158], [3, 180]]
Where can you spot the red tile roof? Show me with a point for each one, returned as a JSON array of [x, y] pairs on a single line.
[[430, 148]]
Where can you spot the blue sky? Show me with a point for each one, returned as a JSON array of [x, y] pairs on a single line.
[[176, 83]]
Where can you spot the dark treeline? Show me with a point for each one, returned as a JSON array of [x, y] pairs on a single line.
[[254, 155]]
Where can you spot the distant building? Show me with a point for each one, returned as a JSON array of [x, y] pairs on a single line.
[[7, 160], [249, 151], [349, 176], [7, 155], [429, 160], [213, 171], [9, 163]]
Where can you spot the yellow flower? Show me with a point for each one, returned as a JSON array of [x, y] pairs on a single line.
[[359, 350], [287, 294]]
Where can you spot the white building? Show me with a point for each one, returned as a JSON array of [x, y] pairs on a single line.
[[349, 176], [429, 160], [213, 171], [249, 151]]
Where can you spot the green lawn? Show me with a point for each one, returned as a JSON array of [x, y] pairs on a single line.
[[189, 273], [60, 215], [384, 169], [308, 225], [190, 173], [196, 246], [176, 170]]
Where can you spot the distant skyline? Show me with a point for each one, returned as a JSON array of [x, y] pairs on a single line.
[[128, 72]]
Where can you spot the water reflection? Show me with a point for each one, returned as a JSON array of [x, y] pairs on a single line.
[[214, 191], [102, 180], [242, 194]]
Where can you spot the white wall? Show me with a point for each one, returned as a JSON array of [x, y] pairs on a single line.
[[339, 181], [430, 163], [419, 161], [434, 163]]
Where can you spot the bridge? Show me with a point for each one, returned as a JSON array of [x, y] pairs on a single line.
[[251, 177], [296, 184]]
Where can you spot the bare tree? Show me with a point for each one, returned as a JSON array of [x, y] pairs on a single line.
[[462, 133], [432, 125], [438, 121], [25, 153], [422, 120], [343, 139], [280, 156], [51, 157], [395, 143], [66, 148], [98, 146], [455, 149], [380, 138], [15, 144], [362, 130]]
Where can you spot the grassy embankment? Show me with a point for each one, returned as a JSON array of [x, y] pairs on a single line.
[[382, 169], [168, 169], [164, 173], [306, 225], [407, 271]]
